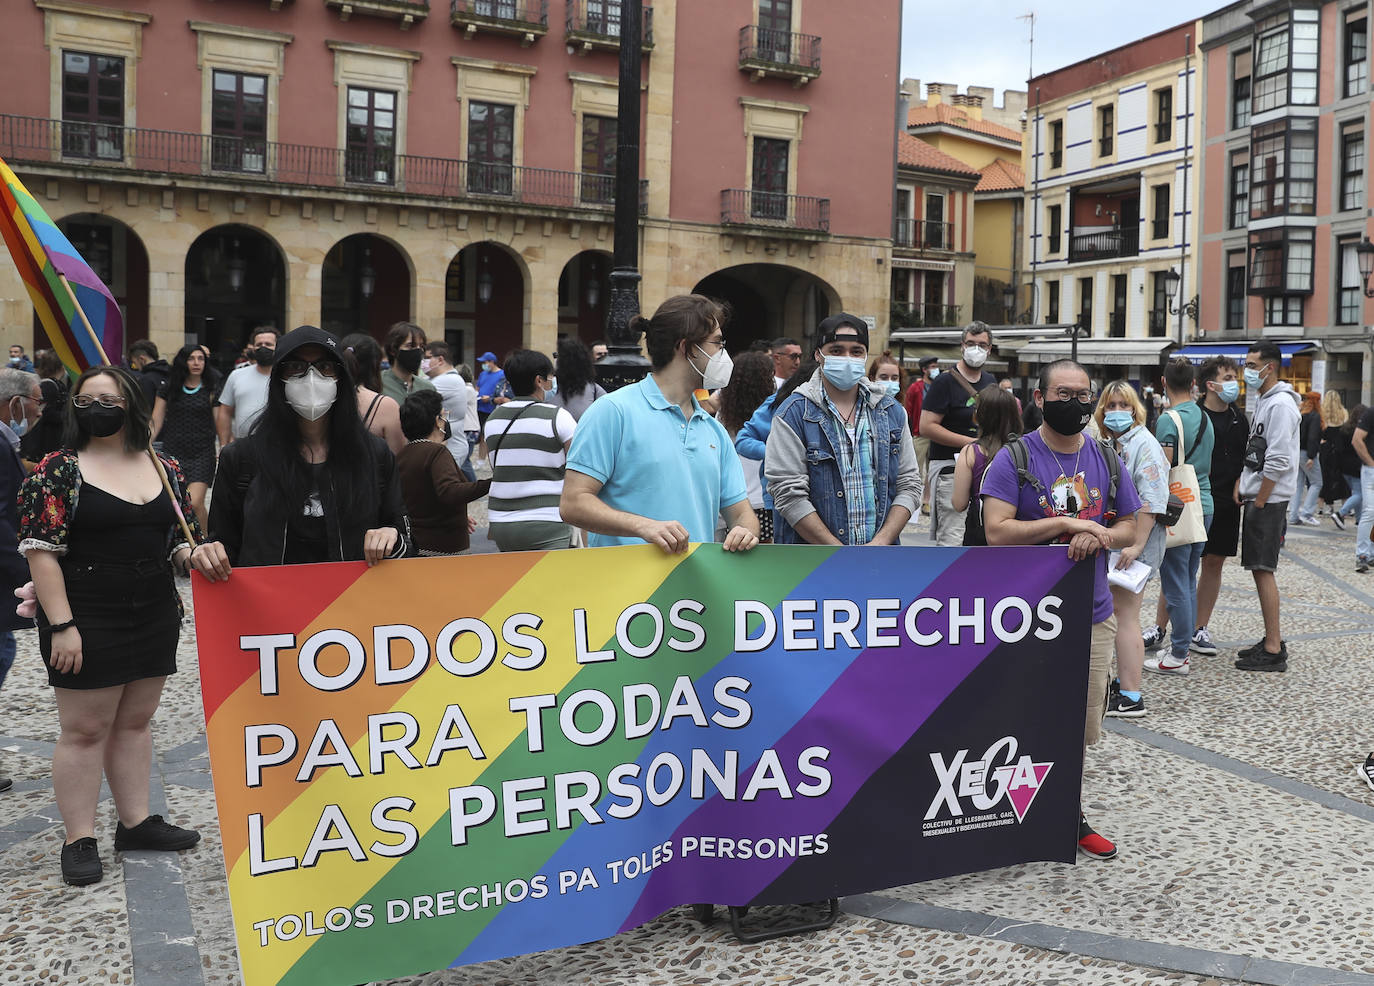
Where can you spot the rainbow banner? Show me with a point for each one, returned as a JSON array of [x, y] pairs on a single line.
[[41, 254], [440, 761]]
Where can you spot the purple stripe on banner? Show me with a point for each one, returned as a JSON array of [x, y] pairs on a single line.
[[879, 702]]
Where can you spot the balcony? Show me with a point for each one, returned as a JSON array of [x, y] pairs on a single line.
[[923, 234], [271, 164], [596, 24], [774, 210], [527, 20], [768, 52], [906, 316], [1104, 246], [407, 12]]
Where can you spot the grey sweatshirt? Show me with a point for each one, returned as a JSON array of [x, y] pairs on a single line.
[[1278, 421]]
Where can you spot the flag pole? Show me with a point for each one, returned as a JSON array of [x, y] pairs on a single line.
[[105, 361]]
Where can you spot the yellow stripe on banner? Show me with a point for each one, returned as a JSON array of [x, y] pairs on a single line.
[[556, 586]]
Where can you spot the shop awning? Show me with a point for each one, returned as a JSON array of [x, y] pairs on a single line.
[[1097, 350], [1201, 352]]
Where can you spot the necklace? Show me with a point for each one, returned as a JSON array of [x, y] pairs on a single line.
[[417, 441], [1060, 461]]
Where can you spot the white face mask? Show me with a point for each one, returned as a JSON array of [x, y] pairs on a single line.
[[718, 369], [974, 356], [312, 395]]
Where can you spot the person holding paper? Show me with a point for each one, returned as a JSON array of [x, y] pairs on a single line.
[[1121, 419]]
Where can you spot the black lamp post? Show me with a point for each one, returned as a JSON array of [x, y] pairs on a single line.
[[1009, 301], [1364, 253], [623, 364], [1073, 332], [1173, 281]]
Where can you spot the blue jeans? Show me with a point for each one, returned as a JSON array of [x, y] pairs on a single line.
[[1178, 579], [1304, 504], [7, 649], [1363, 549], [1351, 506]]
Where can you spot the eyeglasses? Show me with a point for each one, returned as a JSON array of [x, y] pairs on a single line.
[[292, 368], [718, 343], [794, 357], [1061, 394], [104, 400]]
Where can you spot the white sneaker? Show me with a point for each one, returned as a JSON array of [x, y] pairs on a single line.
[[1163, 664]]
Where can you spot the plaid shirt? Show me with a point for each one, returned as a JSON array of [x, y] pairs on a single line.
[[856, 468]]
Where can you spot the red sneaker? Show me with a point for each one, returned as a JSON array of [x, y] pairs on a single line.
[[1092, 844]]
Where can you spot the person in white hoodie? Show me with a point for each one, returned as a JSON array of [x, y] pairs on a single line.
[[1268, 482]]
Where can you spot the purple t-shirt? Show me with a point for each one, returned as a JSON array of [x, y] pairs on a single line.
[[1082, 495]]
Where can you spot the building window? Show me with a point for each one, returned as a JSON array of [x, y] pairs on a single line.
[[1056, 143], [1085, 303], [1052, 305], [598, 158], [1159, 304], [1283, 309], [1349, 284], [238, 122], [1164, 114], [1240, 189], [775, 30], [937, 234], [1240, 90], [1106, 130], [1356, 51], [1117, 328], [769, 199], [1283, 168], [1286, 52], [370, 142], [1056, 227], [92, 105], [1235, 290], [491, 148], [1352, 166], [1159, 227], [1281, 261], [603, 17], [902, 232]]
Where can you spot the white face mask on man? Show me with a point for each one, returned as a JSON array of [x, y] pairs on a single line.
[[718, 369], [975, 356]]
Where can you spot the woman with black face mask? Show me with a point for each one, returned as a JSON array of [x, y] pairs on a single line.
[[101, 536], [309, 483], [184, 420]]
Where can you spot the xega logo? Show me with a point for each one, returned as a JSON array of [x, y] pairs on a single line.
[[999, 774]]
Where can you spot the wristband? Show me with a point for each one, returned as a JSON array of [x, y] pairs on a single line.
[[59, 627]]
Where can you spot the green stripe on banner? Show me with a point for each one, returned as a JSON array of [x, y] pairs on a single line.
[[435, 865]]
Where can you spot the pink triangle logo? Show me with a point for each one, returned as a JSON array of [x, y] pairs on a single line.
[[1024, 785]]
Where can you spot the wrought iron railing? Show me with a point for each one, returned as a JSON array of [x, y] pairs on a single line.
[[501, 13], [747, 207], [923, 234], [600, 19], [1105, 245], [906, 316], [169, 152], [771, 48]]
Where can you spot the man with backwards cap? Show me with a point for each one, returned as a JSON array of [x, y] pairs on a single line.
[[840, 463]]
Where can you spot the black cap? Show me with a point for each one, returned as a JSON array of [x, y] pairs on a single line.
[[830, 328], [925, 361], [306, 335]]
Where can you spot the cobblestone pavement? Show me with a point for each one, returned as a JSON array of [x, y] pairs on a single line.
[[1247, 845]]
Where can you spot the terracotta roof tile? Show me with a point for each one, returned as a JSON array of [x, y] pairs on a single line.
[[957, 116], [916, 153], [1002, 176]]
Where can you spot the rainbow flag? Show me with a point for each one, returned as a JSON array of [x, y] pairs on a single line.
[[440, 761], [43, 254]]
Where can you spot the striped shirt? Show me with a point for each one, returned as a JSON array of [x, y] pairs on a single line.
[[525, 442]]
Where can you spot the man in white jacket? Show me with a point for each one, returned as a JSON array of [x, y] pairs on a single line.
[[1268, 482]]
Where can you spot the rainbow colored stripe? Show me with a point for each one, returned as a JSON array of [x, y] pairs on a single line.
[[866, 703], [42, 254]]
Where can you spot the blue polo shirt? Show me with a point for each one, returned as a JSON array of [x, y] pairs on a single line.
[[653, 462]]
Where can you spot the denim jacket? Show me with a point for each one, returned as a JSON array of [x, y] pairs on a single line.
[[803, 468]]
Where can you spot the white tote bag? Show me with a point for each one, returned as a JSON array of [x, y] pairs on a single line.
[[1183, 484]]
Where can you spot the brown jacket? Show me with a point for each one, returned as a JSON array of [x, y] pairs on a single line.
[[437, 496]]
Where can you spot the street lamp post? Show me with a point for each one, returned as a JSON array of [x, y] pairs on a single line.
[[1173, 282], [624, 364], [1073, 332], [1009, 301]]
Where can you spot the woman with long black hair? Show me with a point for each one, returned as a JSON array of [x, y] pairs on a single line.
[[575, 375], [184, 421], [45, 434], [309, 483], [381, 414]]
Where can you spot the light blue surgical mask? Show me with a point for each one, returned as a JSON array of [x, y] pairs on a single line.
[[843, 372], [1118, 421], [1230, 390], [891, 387], [1252, 377]]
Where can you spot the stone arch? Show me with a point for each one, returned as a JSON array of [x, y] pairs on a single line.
[[236, 280], [367, 283], [584, 292], [116, 253], [486, 300], [770, 300]]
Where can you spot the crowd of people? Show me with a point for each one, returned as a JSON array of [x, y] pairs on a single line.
[[317, 449]]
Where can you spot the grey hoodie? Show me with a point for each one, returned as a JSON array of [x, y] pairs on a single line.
[[1277, 420]]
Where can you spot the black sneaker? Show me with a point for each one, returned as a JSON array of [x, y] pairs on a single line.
[[1153, 638], [1361, 565], [1254, 649], [81, 863], [1366, 771], [1123, 708], [1263, 660], [6, 783], [154, 833], [1338, 520]]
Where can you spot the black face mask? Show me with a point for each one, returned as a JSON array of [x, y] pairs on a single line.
[[448, 430], [264, 356], [409, 359], [1068, 417], [98, 421]]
